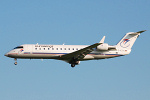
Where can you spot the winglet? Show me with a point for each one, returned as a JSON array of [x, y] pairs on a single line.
[[102, 40]]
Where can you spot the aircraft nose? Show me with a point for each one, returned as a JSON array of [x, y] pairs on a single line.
[[6, 55]]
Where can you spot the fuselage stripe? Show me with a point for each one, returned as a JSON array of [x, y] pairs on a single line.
[[87, 54]]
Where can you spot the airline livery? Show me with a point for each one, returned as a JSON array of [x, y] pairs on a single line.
[[73, 54]]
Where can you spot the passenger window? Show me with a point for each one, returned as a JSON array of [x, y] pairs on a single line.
[[56, 48], [35, 48], [44, 48], [72, 48], [68, 48], [48, 48], [60, 48], [39, 48], [64, 48], [52, 48]]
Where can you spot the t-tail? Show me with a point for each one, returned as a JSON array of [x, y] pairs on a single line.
[[128, 40]]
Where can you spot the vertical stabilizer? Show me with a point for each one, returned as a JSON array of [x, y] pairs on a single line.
[[128, 40]]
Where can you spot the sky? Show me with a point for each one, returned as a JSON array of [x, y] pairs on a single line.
[[74, 22]]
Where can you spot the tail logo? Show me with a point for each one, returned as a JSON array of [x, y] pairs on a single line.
[[125, 43]]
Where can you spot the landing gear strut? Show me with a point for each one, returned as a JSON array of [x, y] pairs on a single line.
[[75, 63], [15, 61]]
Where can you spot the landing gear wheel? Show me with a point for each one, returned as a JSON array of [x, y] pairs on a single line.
[[72, 65], [15, 63]]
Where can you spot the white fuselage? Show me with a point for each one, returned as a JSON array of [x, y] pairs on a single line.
[[31, 51]]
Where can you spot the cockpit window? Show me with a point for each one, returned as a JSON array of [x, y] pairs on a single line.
[[19, 47]]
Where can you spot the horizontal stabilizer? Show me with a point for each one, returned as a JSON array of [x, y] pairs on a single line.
[[141, 31], [136, 33]]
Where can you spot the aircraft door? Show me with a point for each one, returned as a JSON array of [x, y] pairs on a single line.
[[29, 49]]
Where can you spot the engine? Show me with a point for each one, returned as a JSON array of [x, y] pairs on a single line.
[[105, 46]]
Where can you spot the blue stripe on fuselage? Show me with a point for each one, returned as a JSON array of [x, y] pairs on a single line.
[[68, 53]]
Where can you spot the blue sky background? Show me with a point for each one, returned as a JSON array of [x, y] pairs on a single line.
[[74, 22]]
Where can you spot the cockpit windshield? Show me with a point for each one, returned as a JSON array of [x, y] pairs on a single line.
[[19, 47]]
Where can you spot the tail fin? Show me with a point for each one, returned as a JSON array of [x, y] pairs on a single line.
[[128, 40]]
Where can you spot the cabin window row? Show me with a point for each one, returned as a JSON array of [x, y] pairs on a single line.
[[56, 49]]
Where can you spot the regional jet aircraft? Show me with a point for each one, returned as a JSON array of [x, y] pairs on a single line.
[[73, 54]]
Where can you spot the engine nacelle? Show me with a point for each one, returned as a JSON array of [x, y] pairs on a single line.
[[103, 46]]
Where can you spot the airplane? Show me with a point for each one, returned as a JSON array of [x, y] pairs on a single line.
[[73, 54]]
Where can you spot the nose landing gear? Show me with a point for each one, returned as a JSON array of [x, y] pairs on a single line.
[[15, 61]]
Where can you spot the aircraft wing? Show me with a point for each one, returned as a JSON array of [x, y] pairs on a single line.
[[80, 54]]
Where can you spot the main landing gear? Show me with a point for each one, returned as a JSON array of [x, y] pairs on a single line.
[[15, 61], [72, 65]]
